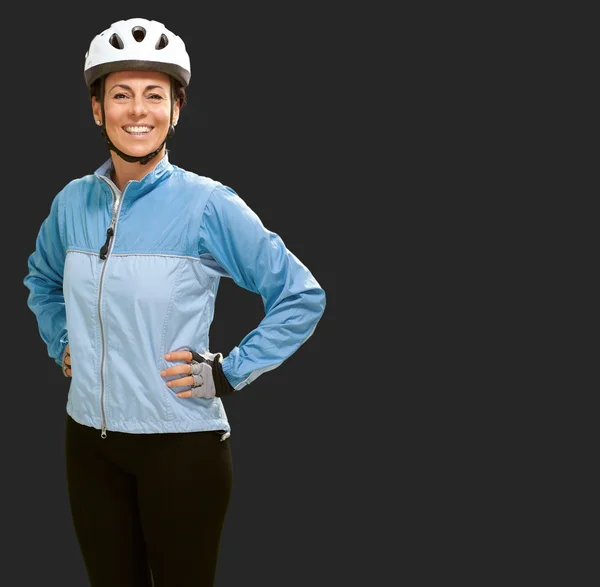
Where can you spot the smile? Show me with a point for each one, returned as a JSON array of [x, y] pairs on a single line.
[[137, 130]]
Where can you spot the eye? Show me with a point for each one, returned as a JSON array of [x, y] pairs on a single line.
[[155, 97], [119, 96]]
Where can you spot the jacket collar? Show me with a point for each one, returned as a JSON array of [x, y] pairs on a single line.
[[137, 188]]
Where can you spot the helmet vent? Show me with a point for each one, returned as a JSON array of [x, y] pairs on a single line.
[[162, 42], [116, 41], [139, 33]]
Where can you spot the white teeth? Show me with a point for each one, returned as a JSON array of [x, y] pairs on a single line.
[[137, 129]]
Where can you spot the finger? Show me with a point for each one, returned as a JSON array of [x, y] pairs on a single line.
[[67, 359], [68, 372], [176, 370], [183, 382], [179, 356], [184, 394]]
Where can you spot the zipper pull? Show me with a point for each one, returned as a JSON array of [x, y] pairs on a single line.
[[104, 249], [103, 435]]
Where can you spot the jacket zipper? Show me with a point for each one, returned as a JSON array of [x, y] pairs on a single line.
[[104, 254]]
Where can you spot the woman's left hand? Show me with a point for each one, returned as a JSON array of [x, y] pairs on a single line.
[[202, 372]]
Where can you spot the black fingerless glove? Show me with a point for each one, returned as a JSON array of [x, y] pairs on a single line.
[[209, 379]]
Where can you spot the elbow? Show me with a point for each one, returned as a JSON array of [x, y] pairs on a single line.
[[318, 302], [323, 301]]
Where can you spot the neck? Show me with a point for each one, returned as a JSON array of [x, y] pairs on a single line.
[[123, 171]]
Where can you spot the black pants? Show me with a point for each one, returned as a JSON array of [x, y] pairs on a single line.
[[148, 509]]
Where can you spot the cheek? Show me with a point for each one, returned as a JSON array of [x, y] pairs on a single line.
[[165, 115], [110, 114]]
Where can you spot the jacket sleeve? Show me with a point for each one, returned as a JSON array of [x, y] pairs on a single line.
[[257, 260], [45, 283]]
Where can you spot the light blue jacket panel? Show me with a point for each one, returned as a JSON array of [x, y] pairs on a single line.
[[175, 235]]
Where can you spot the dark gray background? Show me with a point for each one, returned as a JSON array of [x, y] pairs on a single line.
[[267, 116]]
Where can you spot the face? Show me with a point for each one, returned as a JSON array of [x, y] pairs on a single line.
[[137, 109]]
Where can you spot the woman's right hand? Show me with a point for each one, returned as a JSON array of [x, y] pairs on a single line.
[[66, 366]]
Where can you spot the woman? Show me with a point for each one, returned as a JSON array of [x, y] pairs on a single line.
[[123, 282]]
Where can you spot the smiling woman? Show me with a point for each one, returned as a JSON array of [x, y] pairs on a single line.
[[123, 282]]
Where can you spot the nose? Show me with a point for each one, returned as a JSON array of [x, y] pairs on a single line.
[[138, 107]]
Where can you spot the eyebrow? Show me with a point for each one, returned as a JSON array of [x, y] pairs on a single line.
[[153, 87]]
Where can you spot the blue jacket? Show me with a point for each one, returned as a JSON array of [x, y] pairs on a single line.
[[175, 234]]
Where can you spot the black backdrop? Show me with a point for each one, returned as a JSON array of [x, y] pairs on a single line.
[[264, 117], [358, 137]]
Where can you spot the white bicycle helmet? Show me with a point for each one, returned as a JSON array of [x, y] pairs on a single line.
[[137, 44]]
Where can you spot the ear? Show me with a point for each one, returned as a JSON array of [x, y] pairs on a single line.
[[176, 109], [96, 110]]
